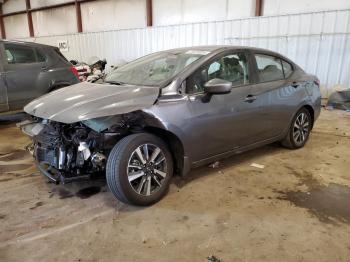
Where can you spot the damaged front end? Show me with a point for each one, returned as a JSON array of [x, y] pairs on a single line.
[[68, 152], [74, 128]]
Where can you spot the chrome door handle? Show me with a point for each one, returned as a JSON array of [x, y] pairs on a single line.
[[250, 99]]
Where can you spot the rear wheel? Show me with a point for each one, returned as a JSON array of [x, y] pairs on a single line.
[[139, 169], [299, 130]]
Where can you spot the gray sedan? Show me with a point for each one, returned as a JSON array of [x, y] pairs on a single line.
[[171, 111]]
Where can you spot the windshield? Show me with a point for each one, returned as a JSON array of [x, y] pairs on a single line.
[[153, 70]]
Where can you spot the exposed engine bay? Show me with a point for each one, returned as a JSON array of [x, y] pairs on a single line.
[[67, 152]]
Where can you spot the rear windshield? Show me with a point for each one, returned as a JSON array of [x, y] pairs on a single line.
[[60, 54]]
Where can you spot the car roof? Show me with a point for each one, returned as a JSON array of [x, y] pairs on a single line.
[[24, 43], [214, 48]]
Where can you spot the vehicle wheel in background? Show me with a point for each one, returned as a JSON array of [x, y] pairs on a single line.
[[139, 169], [299, 130]]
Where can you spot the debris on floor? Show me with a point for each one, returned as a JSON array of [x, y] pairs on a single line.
[[339, 100], [91, 71], [257, 165], [95, 68], [213, 258], [215, 164]]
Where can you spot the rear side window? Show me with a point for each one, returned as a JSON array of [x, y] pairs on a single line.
[[269, 68], [41, 57], [57, 51], [287, 69], [19, 54]]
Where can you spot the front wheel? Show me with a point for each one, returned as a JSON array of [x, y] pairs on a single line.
[[299, 130], [139, 169]]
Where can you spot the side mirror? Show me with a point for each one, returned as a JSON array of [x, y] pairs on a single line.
[[217, 86]]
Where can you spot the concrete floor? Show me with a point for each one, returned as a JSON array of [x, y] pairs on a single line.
[[295, 209]]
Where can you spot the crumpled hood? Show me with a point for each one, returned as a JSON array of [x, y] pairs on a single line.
[[87, 101]]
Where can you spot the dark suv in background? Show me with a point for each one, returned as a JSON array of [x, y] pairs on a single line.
[[29, 70]]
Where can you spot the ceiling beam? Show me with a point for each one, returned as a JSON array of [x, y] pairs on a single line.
[[42, 8], [30, 19], [149, 13], [78, 15], [258, 7], [2, 26]]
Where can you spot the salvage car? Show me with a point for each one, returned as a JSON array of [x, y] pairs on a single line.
[[171, 111], [29, 70]]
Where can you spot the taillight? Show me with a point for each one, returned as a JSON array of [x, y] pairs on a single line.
[[317, 82], [74, 71]]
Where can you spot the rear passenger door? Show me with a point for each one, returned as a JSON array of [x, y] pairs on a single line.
[[276, 95], [22, 69]]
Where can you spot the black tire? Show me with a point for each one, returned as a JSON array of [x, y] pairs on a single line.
[[290, 141], [118, 166]]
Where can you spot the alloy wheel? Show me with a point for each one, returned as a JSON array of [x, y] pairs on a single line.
[[301, 128], [146, 169]]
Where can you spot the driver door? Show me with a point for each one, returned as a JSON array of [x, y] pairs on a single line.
[[226, 122]]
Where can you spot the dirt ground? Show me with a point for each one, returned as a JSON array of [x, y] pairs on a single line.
[[297, 208]]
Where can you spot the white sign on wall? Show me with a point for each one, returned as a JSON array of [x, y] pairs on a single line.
[[63, 45]]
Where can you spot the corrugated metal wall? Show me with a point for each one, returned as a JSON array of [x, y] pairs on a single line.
[[318, 42]]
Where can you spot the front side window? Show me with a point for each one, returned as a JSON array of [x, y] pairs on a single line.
[[18, 54], [233, 68], [155, 69], [269, 68]]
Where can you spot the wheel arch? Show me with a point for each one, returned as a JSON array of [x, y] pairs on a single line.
[[57, 84], [145, 121], [175, 145], [311, 112], [309, 108]]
